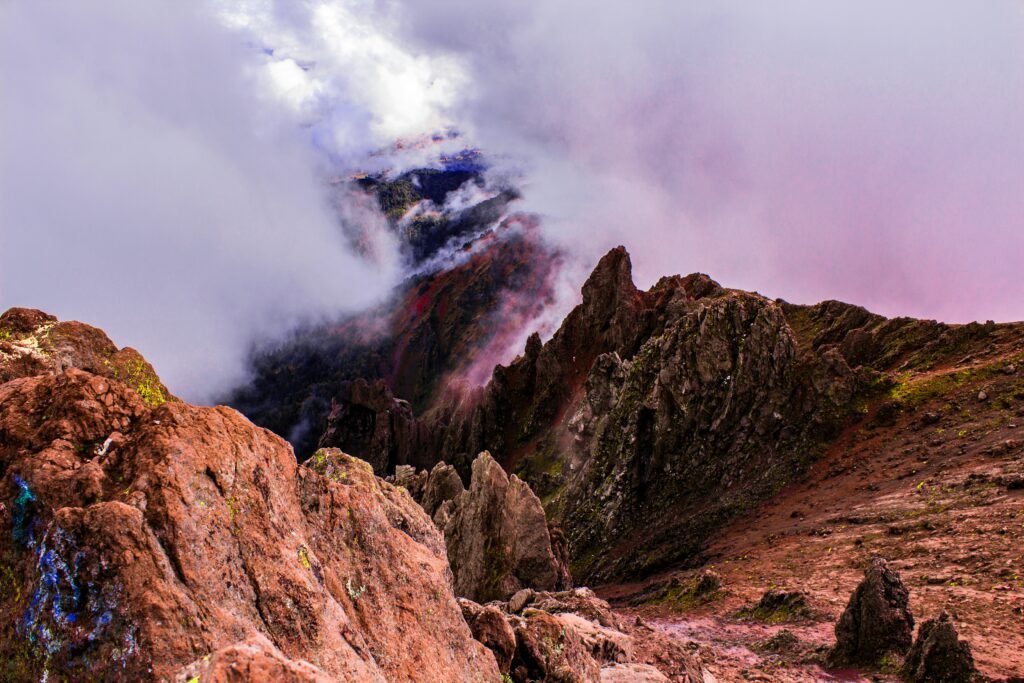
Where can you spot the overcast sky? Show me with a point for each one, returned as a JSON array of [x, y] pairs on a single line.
[[162, 164]]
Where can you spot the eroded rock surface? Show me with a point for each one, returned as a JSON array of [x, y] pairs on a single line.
[[939, 656], [877, 619], [575, 636], [651, 418], [497, 537], [442, 485], [33, 343], [137, 540]]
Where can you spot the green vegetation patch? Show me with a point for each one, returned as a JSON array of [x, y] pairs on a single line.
[[695, 591], [913, 390], [777, 607]]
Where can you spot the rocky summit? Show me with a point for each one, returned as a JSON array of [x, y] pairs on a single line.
[[669, 411], [689, 483], [167, 542]]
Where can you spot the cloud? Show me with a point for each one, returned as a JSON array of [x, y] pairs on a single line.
[[858, 150], [341, 63], [163, 167], [151, 184]]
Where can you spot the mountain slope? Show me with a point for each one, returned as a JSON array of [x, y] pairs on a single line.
[[651, 419]]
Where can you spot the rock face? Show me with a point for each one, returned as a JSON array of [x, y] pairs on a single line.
[[498, 539], [687, 404], [877, 619], [652, 418], [443, 485], [939, 656], [35, 343], [575, 636], [491, 628], [366, 418], [138, 540]]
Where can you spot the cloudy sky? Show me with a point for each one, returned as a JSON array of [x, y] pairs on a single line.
[[162, 165]]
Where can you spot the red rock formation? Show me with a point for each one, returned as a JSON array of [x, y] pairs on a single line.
[[877, 620], [139, 540]]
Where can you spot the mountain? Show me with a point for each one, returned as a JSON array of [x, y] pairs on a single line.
[[676, 409], [477, 274], [145, 539], [692, 426], [723, 467]]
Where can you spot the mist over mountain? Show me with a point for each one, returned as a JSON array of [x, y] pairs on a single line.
[[551, 342], [861, 152]]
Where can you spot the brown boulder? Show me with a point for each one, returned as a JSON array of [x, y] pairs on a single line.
[[135, 541], [490, 627], [575, 636], [939, 656], [877, 619], [443, 484], [497, 537], [548, 650]]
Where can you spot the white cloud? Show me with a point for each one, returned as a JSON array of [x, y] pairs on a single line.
[[150, 188], [342, 61]]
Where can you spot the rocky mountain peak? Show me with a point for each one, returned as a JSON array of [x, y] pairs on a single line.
[[610, 283]]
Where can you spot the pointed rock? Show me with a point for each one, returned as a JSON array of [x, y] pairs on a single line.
[[497, 537], [443, 484], [877, 619], [939, 656]]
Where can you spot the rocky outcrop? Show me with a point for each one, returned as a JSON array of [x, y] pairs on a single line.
[[443, 485], [716, 412], [33, 343], [939, 656], [877, 619], [652, 418], [497, 537], [366, 418], [138, 540], [575, 636]]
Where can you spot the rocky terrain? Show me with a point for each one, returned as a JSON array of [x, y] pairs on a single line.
[[154, 540], [760, 491], [147, 539], [693, 426], [928, 475], [672, 410]]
